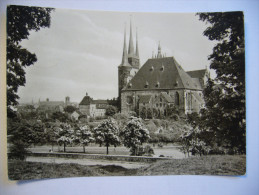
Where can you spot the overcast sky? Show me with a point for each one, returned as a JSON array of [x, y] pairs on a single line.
[[81, 51]]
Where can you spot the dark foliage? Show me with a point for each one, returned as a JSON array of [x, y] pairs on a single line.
[[111, 110], [20, 21], [69, 109], [224, 115]]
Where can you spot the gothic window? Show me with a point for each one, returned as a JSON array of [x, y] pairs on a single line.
[[129, 99], [177, 99]]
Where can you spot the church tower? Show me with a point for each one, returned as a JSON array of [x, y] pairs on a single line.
[[130, 62], [133, 57], [124, 68]]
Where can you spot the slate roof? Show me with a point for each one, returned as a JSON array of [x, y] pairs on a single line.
[[144, 99], [197, 73], [162, 73], [88, 100]]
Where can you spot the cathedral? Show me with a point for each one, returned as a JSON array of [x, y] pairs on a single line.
[[158, 86]]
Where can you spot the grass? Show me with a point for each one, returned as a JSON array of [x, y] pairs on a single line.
[[22, 170], [205, 165]]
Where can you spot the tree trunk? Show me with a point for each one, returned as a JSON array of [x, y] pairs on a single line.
[[107, 149], [84, 148], [64, 147], [52, 146]]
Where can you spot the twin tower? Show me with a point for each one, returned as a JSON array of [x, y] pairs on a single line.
[[130, 61]]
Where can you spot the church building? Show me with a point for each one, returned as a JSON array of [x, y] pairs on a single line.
[[159, 85]]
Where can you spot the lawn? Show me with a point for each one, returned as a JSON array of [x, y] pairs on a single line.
[[22, 170], [205, 165]]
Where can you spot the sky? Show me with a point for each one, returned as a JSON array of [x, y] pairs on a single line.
[[81, 51]]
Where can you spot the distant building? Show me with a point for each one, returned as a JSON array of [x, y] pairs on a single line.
[[93, 108], [50, 106], [159, 84]]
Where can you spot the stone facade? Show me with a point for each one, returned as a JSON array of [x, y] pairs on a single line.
[[93, 108]]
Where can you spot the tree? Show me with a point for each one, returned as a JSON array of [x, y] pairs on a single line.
[[134, 135], [107, 133], [22, 134], [110, 110], [69, 109], [62, 117], [51, 134], [20, 21], [85, 136], [225, 96], [65, 134]]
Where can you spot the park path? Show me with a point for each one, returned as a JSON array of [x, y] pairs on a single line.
[[89, 162]]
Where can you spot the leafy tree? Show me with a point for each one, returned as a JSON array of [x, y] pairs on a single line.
[[192, 141], [225, 96], [110, 110], [22, 134], [65, 135], [69, 109], [85, 136], [20, 21], [62, 117], [134, 135], [107, 133], [51, 134]]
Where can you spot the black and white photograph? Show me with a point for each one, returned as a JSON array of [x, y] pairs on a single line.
[[106, 93]]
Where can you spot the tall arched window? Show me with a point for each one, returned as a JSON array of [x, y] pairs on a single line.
[[177, 99]]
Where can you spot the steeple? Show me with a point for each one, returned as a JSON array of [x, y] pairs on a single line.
[[131, 46], [159, 55], [124, 61], [137, 53]]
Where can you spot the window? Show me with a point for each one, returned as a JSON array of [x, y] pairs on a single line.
[[129, 99], [177, 99]]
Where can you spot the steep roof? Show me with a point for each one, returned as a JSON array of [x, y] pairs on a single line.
[[88, 100], [197, 73], [162, 73]]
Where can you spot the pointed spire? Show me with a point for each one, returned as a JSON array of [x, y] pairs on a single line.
[[159, 55], [131, 46], [124, 61], [137, 53]]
